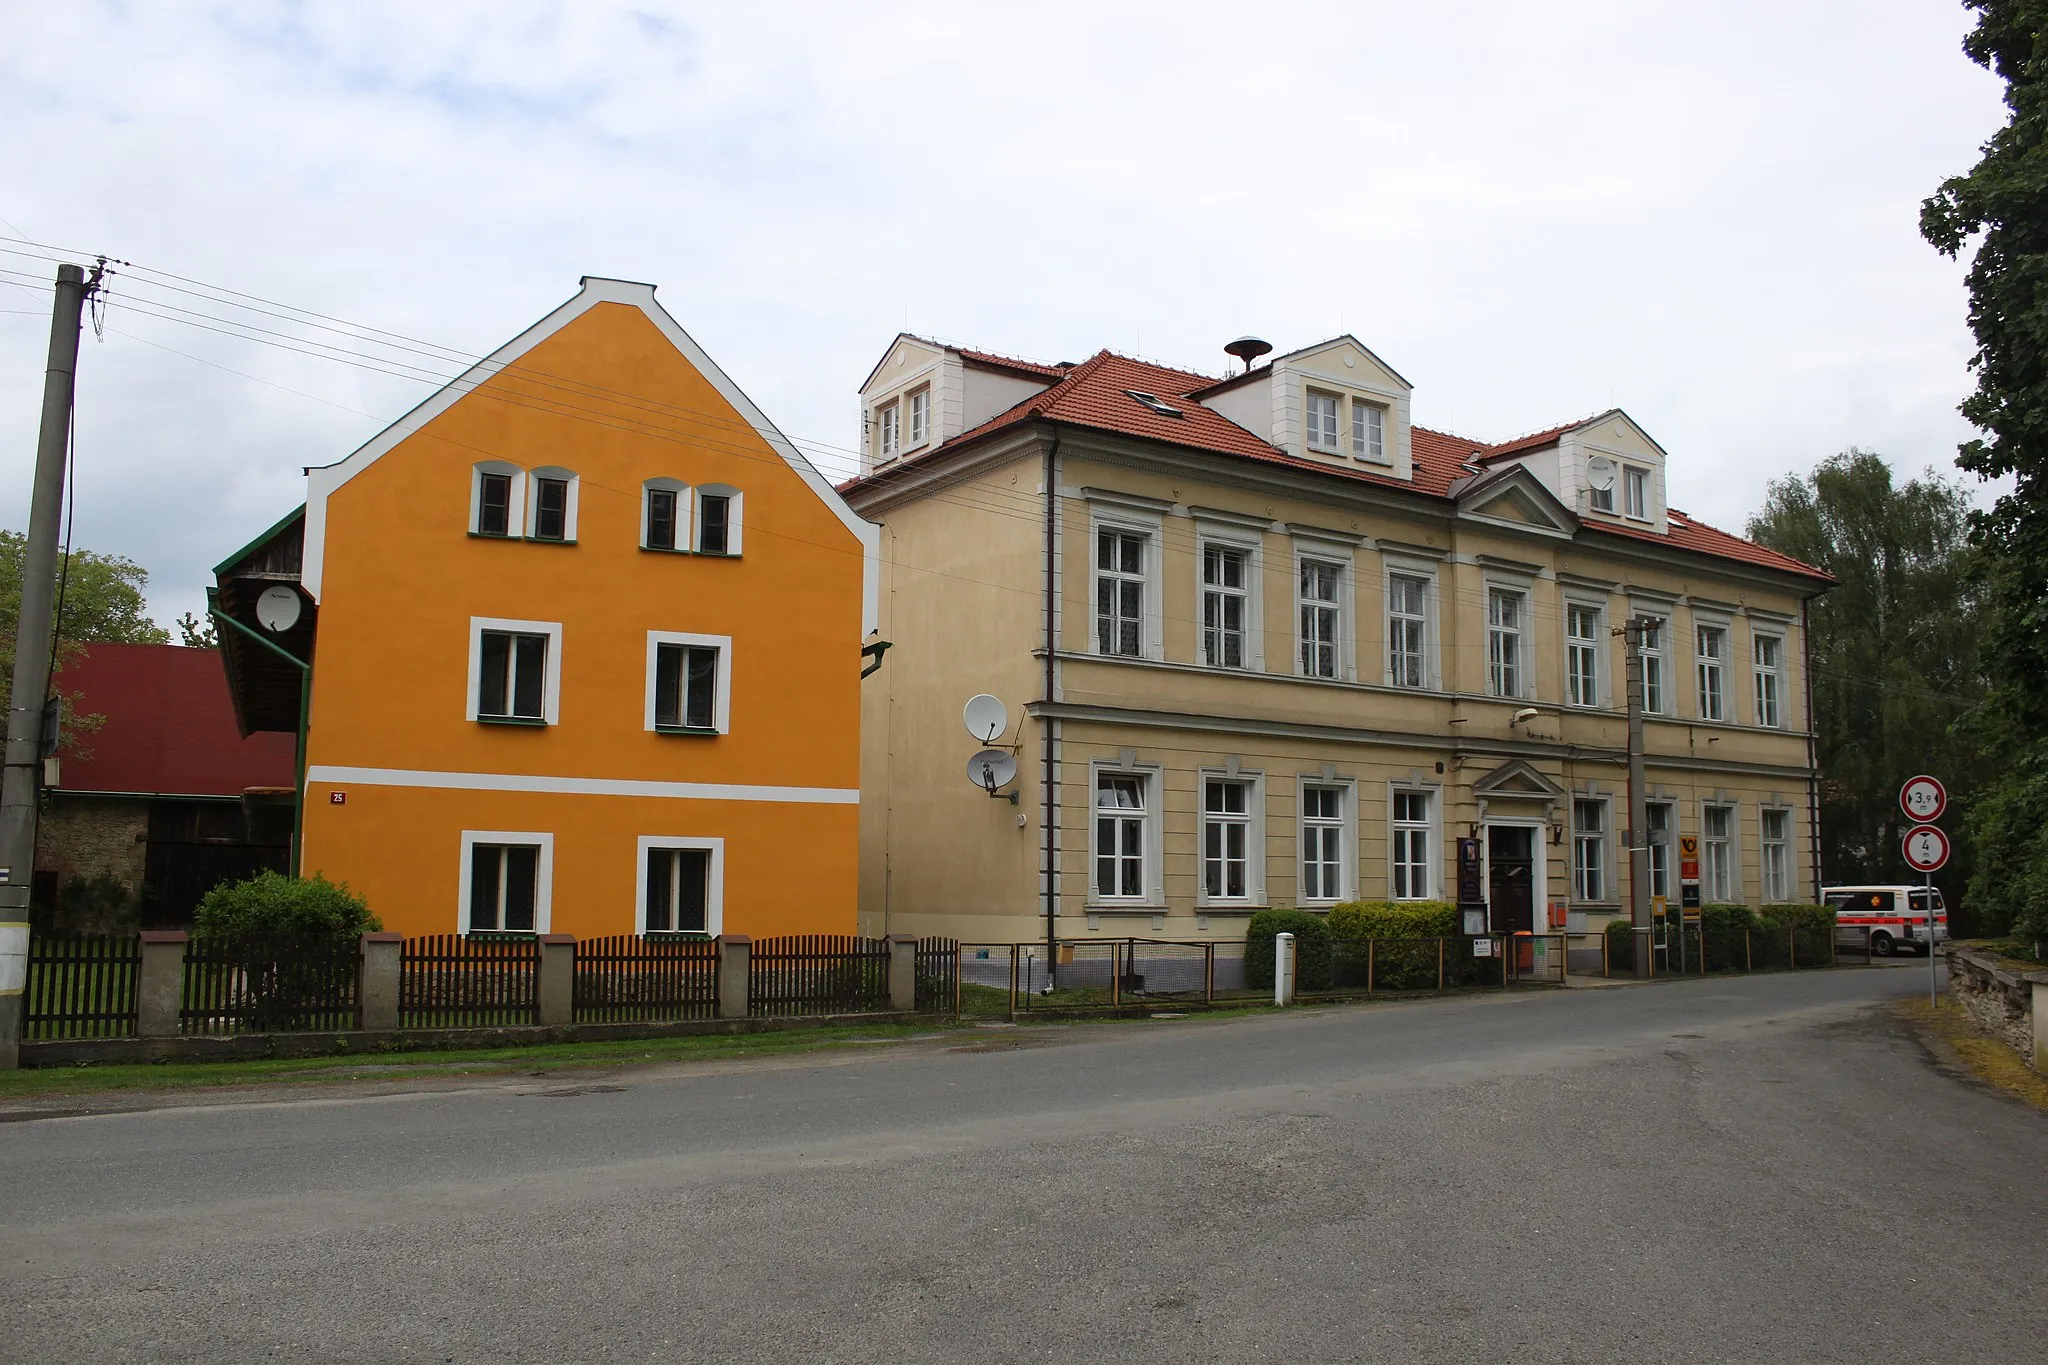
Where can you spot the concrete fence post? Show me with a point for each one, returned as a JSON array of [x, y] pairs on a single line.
[[2040, 1021], [554, 989], [160, 983], [1283, 969], [377, 987], [902, 972], [735, 961]]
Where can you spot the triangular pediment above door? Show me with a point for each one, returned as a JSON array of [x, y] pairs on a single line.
[[1518, 778]]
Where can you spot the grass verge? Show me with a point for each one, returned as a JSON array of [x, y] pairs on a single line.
[[541, 1057], [1989, 1060]]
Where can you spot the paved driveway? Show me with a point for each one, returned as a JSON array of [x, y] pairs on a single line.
[[1750, 1170]]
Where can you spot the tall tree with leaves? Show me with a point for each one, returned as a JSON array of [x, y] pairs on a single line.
[[1892, 647], [2002, 207], [103, 601]]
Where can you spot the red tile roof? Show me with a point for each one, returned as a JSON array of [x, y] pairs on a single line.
[[1005, 362], [170, 727], [1096, 394]]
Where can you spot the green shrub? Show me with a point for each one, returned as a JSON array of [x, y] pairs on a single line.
[[1621, 948], [1812, 928], [1393, 919], [1403, 952], [1723, 927], [271, 904], [1311, 948]]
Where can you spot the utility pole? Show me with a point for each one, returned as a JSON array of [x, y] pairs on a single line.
[[32, 644], [1638, 801]]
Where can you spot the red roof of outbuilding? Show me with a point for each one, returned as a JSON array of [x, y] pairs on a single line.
[[170, 726]]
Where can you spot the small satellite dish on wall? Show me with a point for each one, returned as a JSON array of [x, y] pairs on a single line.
[[986, 717], [1600, 473], [992, 770], [278, 608]]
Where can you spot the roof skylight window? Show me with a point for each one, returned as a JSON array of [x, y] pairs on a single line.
[[1154, 402]]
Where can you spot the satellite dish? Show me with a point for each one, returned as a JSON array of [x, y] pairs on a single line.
[[1600, 473], [992, 770], [278, 608], [986, 717]]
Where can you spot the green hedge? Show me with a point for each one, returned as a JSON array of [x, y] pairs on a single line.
[[1393, 919], [1311, 949], [1404, 945], [1812, 926], [272, 904]]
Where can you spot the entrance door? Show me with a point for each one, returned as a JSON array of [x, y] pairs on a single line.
[[1511, 878]]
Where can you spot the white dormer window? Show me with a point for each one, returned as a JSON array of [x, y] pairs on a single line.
[[888, 431], [1601, 499], [1322, 421], [1635, 484], [1368, 431], [921, 416]]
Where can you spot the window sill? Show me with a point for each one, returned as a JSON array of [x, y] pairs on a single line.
[[716, 554], [698, 730], [1122, 908], [494, 535], [664, 549], [514, 934], [529, 722], [542, 540]]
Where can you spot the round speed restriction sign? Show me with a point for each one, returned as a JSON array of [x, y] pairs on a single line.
[[1923, 798], [1926, 848]]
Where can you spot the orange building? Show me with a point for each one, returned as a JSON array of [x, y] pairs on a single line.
[[586, 636]]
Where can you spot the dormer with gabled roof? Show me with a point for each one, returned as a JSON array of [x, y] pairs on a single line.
[[1605, 468], [1334, 401], [922, 393]]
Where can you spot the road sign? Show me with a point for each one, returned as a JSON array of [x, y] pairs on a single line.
[[1688, 857], [1923, 798], [1926, 848]]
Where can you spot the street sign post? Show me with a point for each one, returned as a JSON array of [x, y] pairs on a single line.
[[1924, 799]]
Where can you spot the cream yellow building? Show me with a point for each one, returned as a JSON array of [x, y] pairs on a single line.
[[1265, 642]]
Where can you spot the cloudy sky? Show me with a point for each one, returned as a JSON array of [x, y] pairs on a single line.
[[1702, 213]]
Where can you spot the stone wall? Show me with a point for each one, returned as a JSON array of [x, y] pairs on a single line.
[[1997, 999], [85, 838]]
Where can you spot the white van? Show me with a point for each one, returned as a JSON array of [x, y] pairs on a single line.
[[1895, 917]]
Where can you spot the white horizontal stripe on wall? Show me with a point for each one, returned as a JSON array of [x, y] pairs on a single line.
[[579, 786]]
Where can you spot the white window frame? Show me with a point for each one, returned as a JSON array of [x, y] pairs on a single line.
[[1600, 499], [1776, 887], [1599, 840], [683, 523], [1346, 825], [571, 497], [714, 890], [515, 498], [1661, 844], [1635, 483], [551, 677], [1706, 666], [1733, 842], [917, 406], [1151, 531], [1254, 841], [1208, 537], [721, 705], [1153, 778], [888, 430], [734, 519], [1313, 430], [1369, 431], [1432, 827], [1775, 674], [1432, 616], [1592, 650], [543, 876], [1662, 655], [1343, 636], [1521, 635]]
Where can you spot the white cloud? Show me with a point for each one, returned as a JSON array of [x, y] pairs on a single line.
[[1703, 214]]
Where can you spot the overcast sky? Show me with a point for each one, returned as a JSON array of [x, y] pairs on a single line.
[[1703, 213]]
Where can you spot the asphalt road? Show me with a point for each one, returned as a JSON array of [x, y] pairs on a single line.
[[1765, 1169]]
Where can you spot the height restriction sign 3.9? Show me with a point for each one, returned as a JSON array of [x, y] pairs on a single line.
[[1926, 848], [1923, 798]]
